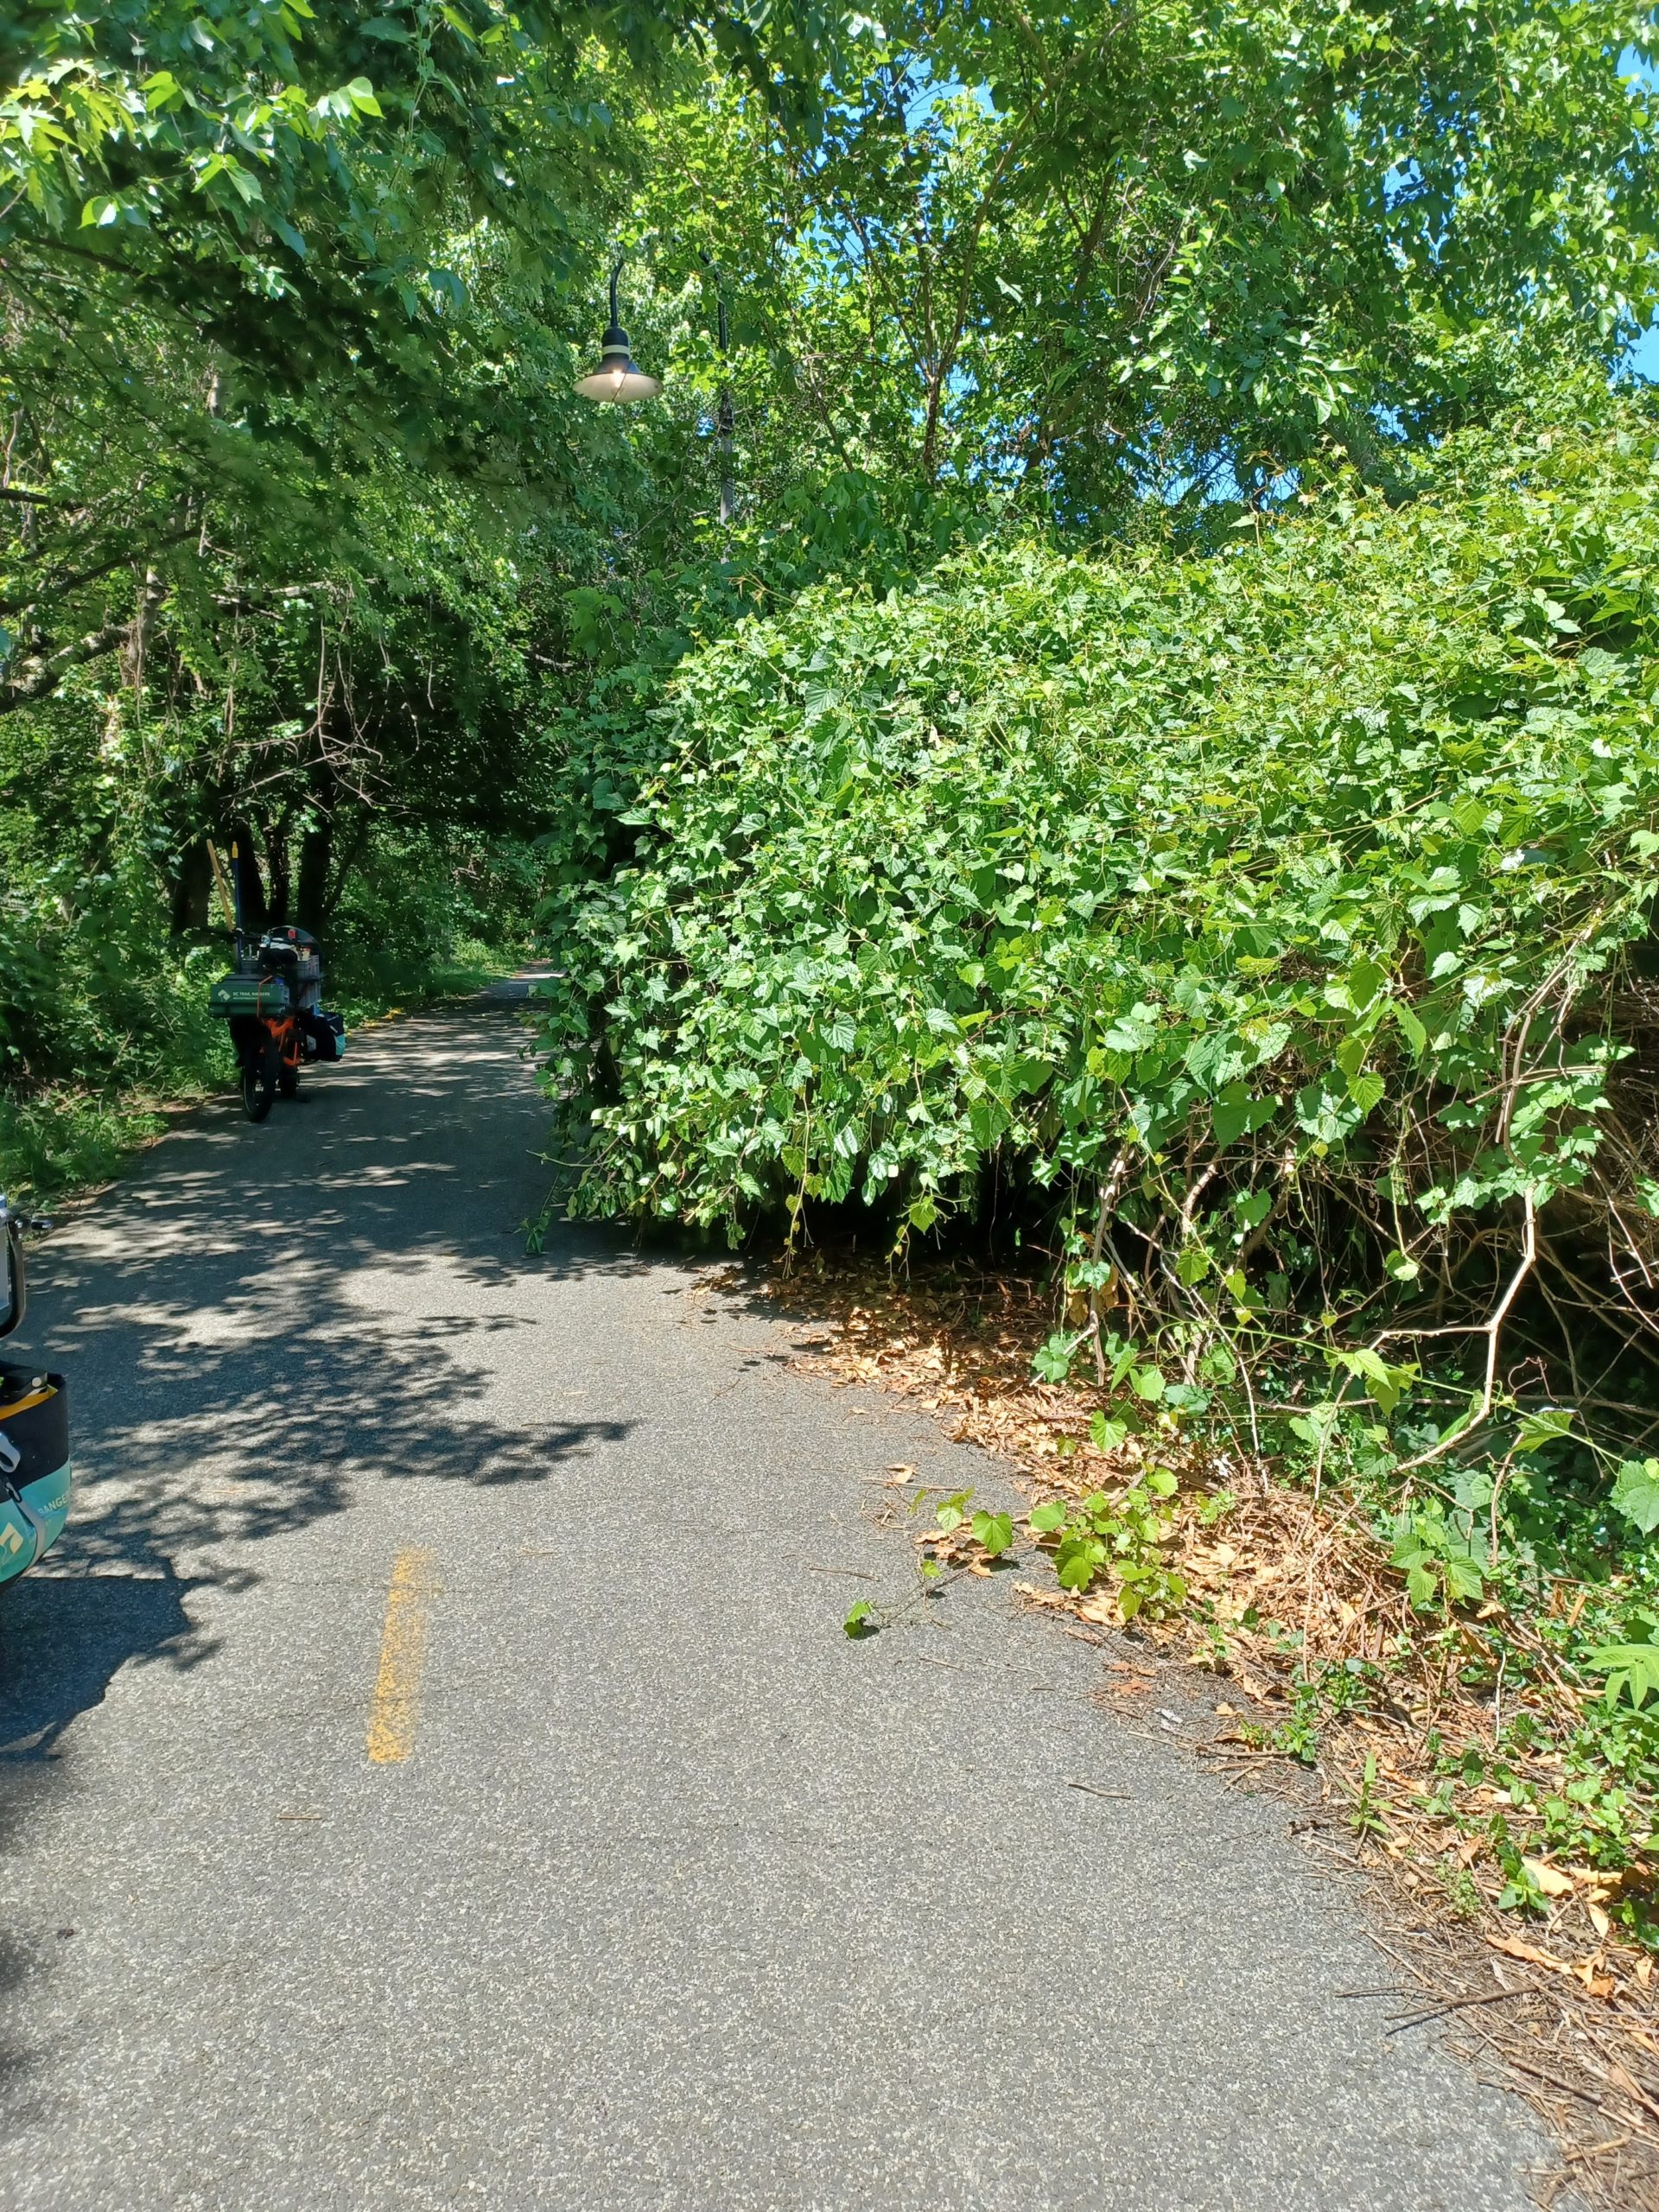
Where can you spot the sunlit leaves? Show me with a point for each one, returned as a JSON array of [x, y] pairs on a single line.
[[1636, 1494], [993, 909], [1441, 1566], [993, 1532], [1314, 226], [1631, 1671]]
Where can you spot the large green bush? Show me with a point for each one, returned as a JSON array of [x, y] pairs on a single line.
[[1291, 908]]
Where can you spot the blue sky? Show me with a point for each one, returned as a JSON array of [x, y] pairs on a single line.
[[1644, 354]]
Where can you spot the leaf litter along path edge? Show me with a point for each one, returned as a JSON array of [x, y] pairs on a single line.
[[1577, 2035]]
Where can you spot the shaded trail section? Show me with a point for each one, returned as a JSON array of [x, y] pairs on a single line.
[[658, 1891]]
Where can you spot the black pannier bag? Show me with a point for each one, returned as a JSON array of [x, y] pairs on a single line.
[[325, 1035]]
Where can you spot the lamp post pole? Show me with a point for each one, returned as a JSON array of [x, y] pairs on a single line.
[[726, 422], [725, 417]]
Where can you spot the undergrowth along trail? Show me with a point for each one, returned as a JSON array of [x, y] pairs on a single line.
[[1274, 930]]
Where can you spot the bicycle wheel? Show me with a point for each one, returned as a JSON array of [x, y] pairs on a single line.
[[258, 1086]]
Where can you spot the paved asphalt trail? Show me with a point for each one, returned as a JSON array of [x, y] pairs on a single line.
[[679, 1899]]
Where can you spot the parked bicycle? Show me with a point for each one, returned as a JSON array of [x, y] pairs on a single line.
[[36, 1475], [272, 999]]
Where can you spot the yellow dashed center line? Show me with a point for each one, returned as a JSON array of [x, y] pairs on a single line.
[[403, 1652]]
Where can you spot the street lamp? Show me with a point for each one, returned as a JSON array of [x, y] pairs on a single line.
[[616, 378]]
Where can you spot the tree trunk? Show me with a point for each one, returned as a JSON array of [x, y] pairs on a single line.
[[316, 851], [152, 592], [256, 915], [347, 855], [192, 890], [276, 872]]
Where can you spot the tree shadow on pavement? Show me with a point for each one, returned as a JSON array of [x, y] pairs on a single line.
[[257, 1325], [261, 1318], [64, 1637]]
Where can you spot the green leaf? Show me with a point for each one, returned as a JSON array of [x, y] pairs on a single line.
[[1438, 1564], [1236, 1113], [861, 1619], [1365, 979], [1388, 1382], [1633, 1671], [1636, 1493], [1544, 1427], [1047, 1518], [1464, 1579], [1077, 1561], [1052, 1363], [1187, 1398], [988, 1119], [994, 1532]]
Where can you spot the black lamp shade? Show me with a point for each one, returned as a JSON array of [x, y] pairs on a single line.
[[616, 378]]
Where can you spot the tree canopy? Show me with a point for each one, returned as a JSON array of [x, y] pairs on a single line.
[[306, 539]]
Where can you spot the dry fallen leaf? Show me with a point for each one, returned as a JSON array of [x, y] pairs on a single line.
[[1550, 1880], [1597, 1984], [1513, 1947]]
